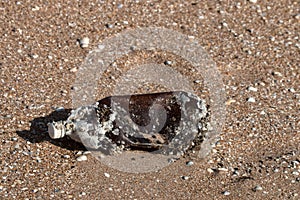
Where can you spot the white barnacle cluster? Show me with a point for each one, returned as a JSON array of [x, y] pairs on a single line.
[[193, 110], [85, 126]]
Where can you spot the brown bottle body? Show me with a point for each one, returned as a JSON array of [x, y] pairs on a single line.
[[157, 121]]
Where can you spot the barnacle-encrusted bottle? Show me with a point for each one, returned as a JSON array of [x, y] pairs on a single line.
[[166, 122]]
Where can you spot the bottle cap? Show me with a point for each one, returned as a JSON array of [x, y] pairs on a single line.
[[56, 130]]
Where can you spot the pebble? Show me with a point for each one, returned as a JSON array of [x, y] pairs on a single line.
[[252, 89], [74, 69], [230, 101], [86, 152], [168, 62], [59, 109], [295, 173], [84, 42], [83, 193], [210, 170], [257, 188], [226, 193], [262, 112], [171, 160], [35, 56], [185, 177], [197, 81], [251, 99], [253, 1], [38, 159], [120, 6], [223, 169], [277, 74], [189, 163], [276, 170], [109, 26], [107, 175], [66, 156], [82, 158], [35, 190], [292, 90]]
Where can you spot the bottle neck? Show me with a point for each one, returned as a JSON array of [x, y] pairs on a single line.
[[56, 130]]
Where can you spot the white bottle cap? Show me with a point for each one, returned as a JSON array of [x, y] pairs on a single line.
[[56, 130]]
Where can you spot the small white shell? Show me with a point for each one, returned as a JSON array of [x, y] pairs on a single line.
[[82, 158], [84, 42]]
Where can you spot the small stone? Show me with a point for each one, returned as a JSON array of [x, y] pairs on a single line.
[[35, 56], [222, 169], [272, 38], [185, 177], [5, 169], [38, 159], [230, 101], [168, 62], [252, 89], [109, 26], [257, 188], [59, 109], [224, 24], [262, 112], [84, 42], [83, 193], [107, 175], [295, 173], [81, 158], [35, 190], [276, 170], [197, 81], [210, 170], [292, 90], [253, 1], [17, 146], [14, 139], [226, 193], [277, 73], [35, 8], [120, 6], [189, 163], [74, 69], [66, 156], [251, 99]]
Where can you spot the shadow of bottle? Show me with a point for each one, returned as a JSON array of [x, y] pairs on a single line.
[[39, 131]]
